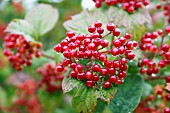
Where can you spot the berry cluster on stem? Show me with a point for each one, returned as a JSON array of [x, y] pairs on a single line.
[[93, 48], [166, 9], [156, 102], [19, 51], [151, 50], [51, 79], [27, 97], [128, 5]]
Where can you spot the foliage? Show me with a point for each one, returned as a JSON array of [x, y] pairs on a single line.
[[140, 84]]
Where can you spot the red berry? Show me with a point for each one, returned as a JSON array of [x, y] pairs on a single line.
[[122, 74], [91, 46], [123, 61], [158, 6], [98, 24], [160, 32], [112, 79], [73, 74], [96, 68], [110, 27], [100, 30], [167, 29], [116, 32], [165, 47], [108, 63], [131, 9], [103, 71], [122, 40], [79, 67], [111, 71], [58, 48], [107, 84], [161, 64], [89, 75], [81, 76], [116, 64], [104, 43], [102, 57], [167, 110], [167, 78], [89, 83], [70, 34], [151, 64], [130, 56], [59, 68], [118, 81], [127, 36], [142, 71], [91, 28], [116, 43], [114, 51], [96, 78]]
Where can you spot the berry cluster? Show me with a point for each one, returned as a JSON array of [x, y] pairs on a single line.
[[151, 50], [19, 51], [27, 97], [50, 78], [166, 8], [88, 55], [128, 5], [155, 103], [2, 28]]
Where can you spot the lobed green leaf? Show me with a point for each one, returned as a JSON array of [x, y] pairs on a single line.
[[128, 95]]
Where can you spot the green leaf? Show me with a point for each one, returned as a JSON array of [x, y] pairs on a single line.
[[43, 18], [128, 95], [107, 94], [148, 89], [134, 23], [84, 101], [138, 54], [80, 22], [22, 27], [42, 60], [69, 83]]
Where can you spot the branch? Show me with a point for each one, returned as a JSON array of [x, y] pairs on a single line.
[[47, 56], [154, 78], [106, 35]]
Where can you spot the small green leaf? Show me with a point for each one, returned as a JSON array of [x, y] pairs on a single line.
[[84, 101], [138, 54], [107, 94], [134, 23], [69, 83], [137, 31], [22, 27], [128, 95], [148, 89], [43, 18], [80, 22]]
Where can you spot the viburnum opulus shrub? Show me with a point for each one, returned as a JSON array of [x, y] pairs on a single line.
[[94, 48], [111, 56]]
